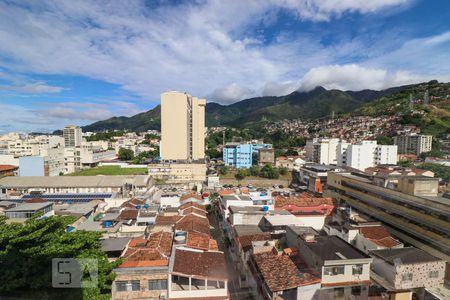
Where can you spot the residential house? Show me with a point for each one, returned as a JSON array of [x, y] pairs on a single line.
[[408, 268], [344, 270]]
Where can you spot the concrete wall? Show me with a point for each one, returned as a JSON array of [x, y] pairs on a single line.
[[144, 292], [31, 166], [256, 182]]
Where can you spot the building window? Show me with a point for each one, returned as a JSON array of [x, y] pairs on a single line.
[[357, 269], [121, 286], [407, 277], [356, 290], [128, 286], [337, 270], [135, 285], [434, 274], [157, 284]]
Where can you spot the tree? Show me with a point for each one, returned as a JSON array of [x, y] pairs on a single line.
[[254, 171], [385, 140], [283, 171], [126, 154], [213, 153], [269, 172], [241, 174], [223, 170], [27, 250], [291, 152]]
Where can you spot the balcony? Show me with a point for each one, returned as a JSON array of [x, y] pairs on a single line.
[[185, 287]]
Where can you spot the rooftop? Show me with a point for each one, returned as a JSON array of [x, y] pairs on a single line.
[[246, 240], [6, 168], [280, 273], [380, 236], [151, 252], [191, 195], [208, 264], [201, 241], [114, 244], [72, 181], [167, 220], [407, 255], [333, 248], [29, 206], [302, 201], [193, 223], [192, 204], [242, 230]]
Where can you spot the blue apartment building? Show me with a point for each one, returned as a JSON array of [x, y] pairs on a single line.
[[239, 155]]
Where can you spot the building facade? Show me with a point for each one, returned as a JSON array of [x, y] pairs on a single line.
[[413, 143], [240, 155], [182, 127], [72, 136]]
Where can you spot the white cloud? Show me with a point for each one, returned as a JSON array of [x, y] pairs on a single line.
[[355, 77], [199, 47], [32, 88], [279, 88], [230, 93]]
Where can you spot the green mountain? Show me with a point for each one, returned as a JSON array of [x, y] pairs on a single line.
[[433, 119], [255, 112]]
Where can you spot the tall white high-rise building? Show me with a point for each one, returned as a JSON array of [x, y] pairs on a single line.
[[72, 136], [182, 127]]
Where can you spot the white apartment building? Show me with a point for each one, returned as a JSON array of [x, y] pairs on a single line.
[[72, 136], [54, 161], [182, 127], [359, 156], [366, 154], [72, 159], [322, 151], [413, 143]]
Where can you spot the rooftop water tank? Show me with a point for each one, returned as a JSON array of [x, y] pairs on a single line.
[[265, 208], [181, 239], [107, 224]]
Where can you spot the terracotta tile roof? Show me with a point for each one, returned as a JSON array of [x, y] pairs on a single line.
[[201, 241], [132, 203], [193, 223], [129, 214], [192, 204], [226, 192], [167, 220], [151, 252], [302, 201], [280, 272], [191, 195], [208, 264], [193, 210], [5, 168], [246, 240], [379, 235]]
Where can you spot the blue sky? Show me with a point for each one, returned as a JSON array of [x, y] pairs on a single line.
[[65, 62]]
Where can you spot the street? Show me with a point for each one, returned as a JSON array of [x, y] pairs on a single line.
[[236, 293]]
